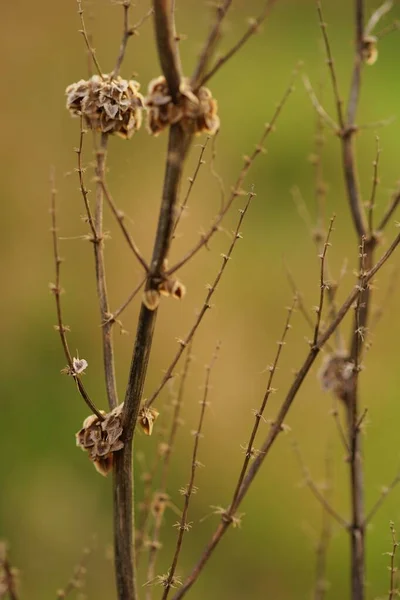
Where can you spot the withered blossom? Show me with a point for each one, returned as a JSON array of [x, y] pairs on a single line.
[[108, 105], [196, 111], [146, 419], [337, 374], [101, 438]]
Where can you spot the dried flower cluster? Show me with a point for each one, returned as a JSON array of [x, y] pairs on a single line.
[[337, 374], [109, 105], [168, 287], [370, 49], [196, 111], [101, 438], [146, 419]]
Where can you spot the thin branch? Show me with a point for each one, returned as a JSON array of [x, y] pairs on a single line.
[[57, 291], [115, 314], [252, 29], [322, 283], [120, 216], [165, 455], [316, 492], [347, 127], [393, 591], [385, 491], [127, 33], [206, 305], [321, 583], [391, 209], [250, 451], [78, 576], [237, 188], [189, 490], [210, 44], [192, 180], [277, 425], [375, 181], [85, 35], [101, 284], [377, 16], [318, 107], [331, 66], [335, 414]]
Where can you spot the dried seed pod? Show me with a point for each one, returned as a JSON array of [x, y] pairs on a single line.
[[337, 374], [101, 438], [109, 105], [151, 299], [196, 111], [370, 49], [146, 419], [172, 287]]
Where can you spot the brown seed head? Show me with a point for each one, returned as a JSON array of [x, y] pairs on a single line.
[[337, 374], [107, 105], [197, 112], [101, 439]]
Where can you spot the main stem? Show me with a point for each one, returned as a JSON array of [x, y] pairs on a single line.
[[123, 497]]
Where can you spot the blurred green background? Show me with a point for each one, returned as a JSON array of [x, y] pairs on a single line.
[[52, 502]]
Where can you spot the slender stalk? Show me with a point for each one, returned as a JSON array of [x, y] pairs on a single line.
[[123, 473], [98, 245], [167, 48]]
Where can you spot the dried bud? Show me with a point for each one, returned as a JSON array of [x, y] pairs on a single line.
[[101, 438], [107, 105], [147, 417], [370, 49], [151, 299], [172, 287], [197, 112], [79, 365], [337, 374]]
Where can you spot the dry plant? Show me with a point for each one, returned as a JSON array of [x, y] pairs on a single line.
[[183, 107]]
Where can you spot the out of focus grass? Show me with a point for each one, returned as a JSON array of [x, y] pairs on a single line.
[[52, 502]]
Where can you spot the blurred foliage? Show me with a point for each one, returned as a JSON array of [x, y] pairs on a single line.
[[52, 502]]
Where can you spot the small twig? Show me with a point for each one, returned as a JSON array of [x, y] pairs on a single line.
[[114, 315], [210, 44], [377, 16], [375, 181], [249, 453], [206, 305], [237, 188], [318, 107], [90, 48], [316, 492], [165, 456], [322, 283], [380, 310], [101, 284], [57, 291], [339, 426], [321, 583], [127, 33], [192, 181], [393, 591], [331, 66], [119, 215], [183, 524], [78, 576], [386, 490], [252, 29], [394, 203]]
